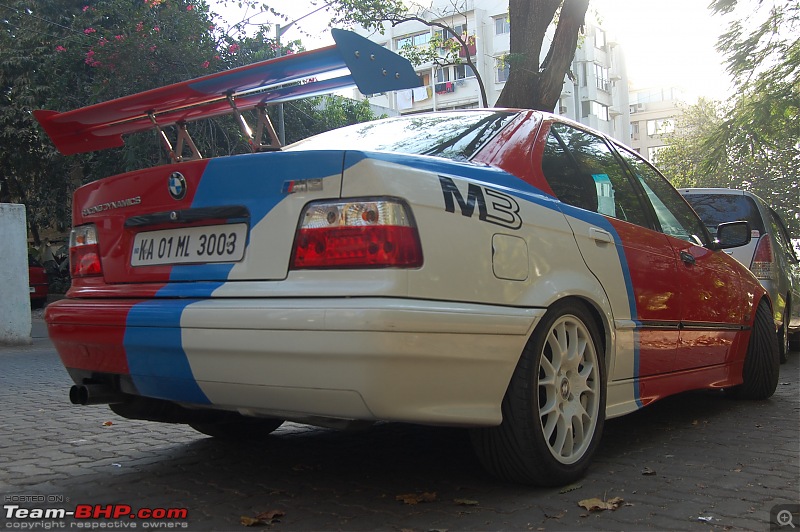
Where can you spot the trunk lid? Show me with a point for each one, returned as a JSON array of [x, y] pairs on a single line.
[[223, 219]]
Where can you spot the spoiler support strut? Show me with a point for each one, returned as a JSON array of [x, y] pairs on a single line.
[[183, 140], [264, 123]]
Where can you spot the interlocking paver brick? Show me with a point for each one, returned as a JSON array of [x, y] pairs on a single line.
[[718, 464]]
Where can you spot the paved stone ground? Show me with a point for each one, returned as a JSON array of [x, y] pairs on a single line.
[[700, 461]]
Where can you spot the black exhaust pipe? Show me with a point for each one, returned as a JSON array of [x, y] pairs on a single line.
[[94, 394]]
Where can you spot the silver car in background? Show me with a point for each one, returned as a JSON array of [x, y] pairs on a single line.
[[770, 254]]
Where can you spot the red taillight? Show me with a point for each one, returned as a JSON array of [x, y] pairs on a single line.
[[84, 253], [762, 259], [356, 234]]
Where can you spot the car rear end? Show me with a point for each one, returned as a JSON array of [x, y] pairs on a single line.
[[304, 284], [38, 283], [718, 205]]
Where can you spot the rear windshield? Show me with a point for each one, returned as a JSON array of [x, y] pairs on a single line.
[[453, 135], [715, 209]]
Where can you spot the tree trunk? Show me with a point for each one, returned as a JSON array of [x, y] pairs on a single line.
[[531, 84]]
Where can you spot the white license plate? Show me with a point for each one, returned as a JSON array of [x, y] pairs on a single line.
[[211, 243]]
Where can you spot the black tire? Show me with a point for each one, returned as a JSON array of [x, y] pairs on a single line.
[[547, 400], [762, 361], [783, 337], [237, 427]]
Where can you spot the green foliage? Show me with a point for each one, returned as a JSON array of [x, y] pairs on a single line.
[[683, 159], [761, 131], [692, 158], [371, 14], [753, 142], [65, 54], [31, 172], [305, 118]]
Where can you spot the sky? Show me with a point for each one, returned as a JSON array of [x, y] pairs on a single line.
[[668, 42], [665, 42]]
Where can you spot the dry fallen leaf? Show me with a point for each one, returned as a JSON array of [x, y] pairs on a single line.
[[571, 487], [466, 502], [270, 515], [264, 518], [414, 498], [596, 505], [647, 471], [107, 423], [250, 521]]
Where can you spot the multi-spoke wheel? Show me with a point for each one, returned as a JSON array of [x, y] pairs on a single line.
[[554, 408], [569, 389]]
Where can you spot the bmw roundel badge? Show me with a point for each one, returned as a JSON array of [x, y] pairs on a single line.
[[177, 186]]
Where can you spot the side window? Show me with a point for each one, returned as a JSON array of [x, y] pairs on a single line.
[[675, 217], [561, 171], [584, 172], [780, 234]]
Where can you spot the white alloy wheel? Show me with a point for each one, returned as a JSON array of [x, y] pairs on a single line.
[[569, 389], [554, 407]]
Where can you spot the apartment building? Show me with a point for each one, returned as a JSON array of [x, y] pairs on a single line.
[[653, 114], [595, 92]]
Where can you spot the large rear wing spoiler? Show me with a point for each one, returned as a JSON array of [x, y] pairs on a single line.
[[352, 62]]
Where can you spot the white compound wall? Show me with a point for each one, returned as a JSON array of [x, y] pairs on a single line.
[[15, 304]]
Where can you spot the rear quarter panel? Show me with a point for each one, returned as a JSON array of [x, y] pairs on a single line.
[[487, 236]]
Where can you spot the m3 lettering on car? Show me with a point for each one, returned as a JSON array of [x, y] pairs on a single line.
[[500, 209]]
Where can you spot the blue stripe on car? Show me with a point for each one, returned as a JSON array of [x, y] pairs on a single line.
[[256, 182], [156, 360], [510, 184]]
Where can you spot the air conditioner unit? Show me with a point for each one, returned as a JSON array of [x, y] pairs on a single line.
[[562, 110], [640, 107]]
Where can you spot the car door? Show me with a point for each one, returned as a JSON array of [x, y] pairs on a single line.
[[635, 264], [708, 281]]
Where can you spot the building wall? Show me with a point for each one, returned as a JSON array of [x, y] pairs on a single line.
[[597, 96], [653, 114], [15, 304]]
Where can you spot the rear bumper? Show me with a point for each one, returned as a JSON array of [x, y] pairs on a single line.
[[371, 359], [38, 291]]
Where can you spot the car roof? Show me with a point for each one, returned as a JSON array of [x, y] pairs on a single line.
[[721, 192]]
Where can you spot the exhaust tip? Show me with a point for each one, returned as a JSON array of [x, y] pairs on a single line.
[[78, 395], [94, 394]]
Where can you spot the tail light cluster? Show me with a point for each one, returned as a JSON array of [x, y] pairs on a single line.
[[84, 253], [763, 260], [374, 233]]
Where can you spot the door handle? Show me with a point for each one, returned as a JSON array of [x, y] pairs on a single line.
[[687, 258], [600, 235]]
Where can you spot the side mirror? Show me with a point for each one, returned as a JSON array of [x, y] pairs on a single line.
[[732, 234]]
